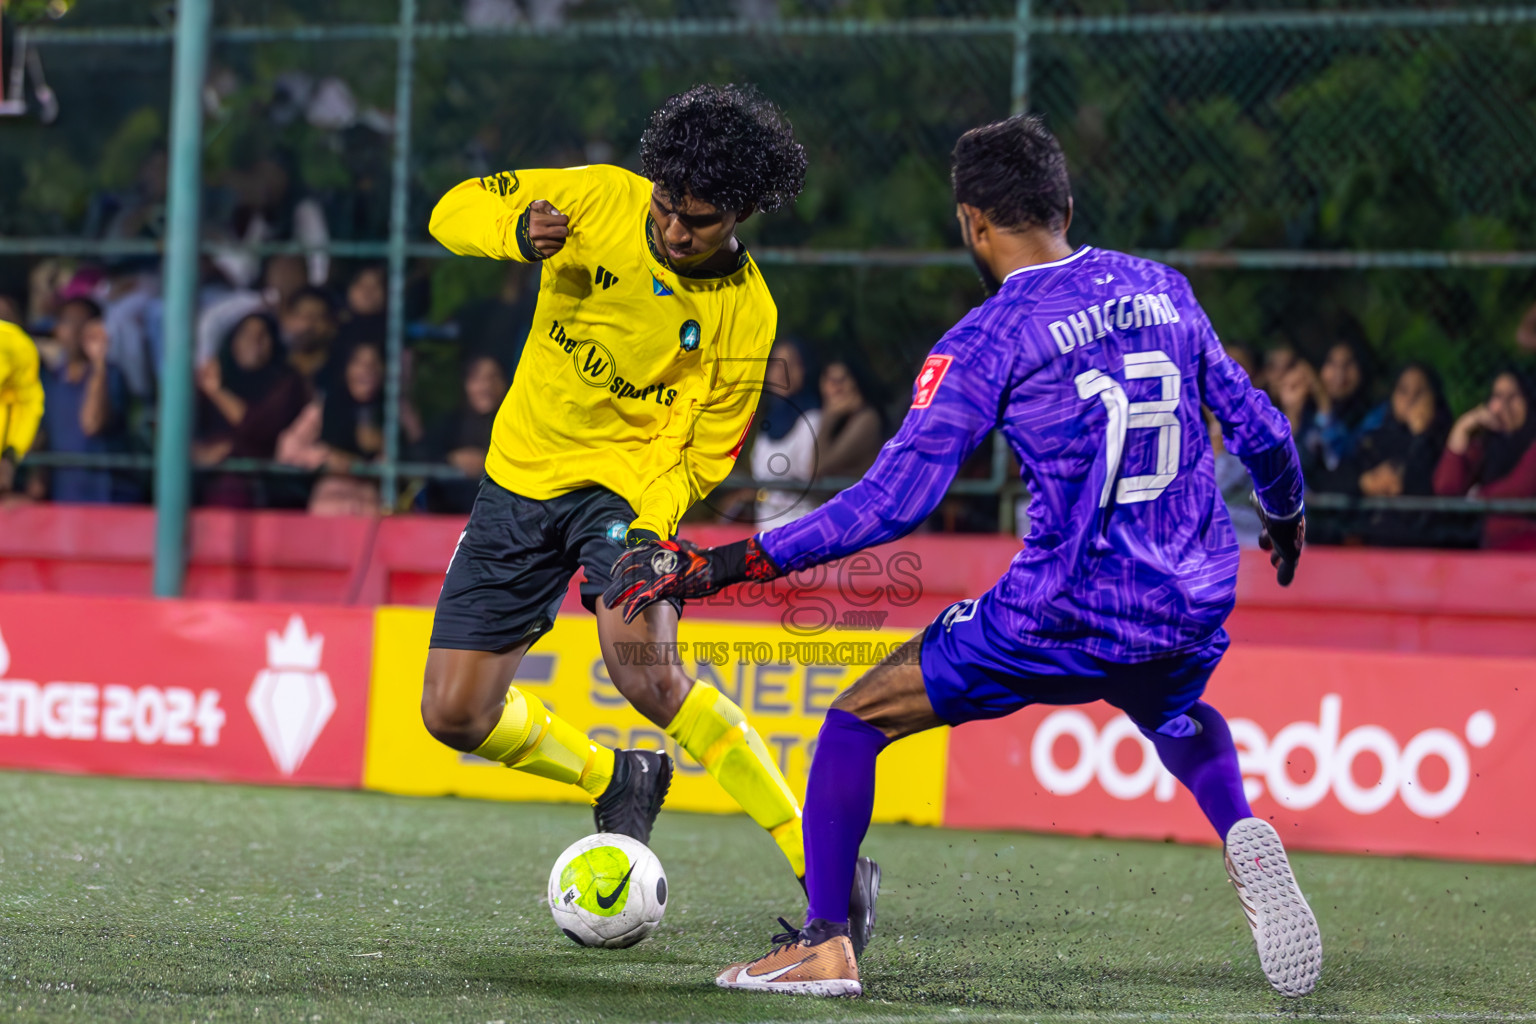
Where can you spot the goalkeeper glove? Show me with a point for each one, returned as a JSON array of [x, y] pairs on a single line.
[[657, 570], [1283, 539]]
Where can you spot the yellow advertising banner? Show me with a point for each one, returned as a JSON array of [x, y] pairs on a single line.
[[783, 682]]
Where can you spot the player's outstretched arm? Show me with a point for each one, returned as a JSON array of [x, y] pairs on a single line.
[[654, 570], [954, 408], [515, 215], [1259, 435], [868, 513]]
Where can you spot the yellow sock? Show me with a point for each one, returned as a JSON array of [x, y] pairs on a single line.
[[717, 735], [531, 739]]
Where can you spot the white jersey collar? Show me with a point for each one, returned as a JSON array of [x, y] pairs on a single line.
[[1045, 266]]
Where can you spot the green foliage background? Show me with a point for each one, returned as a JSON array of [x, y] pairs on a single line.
[[1350, 137]]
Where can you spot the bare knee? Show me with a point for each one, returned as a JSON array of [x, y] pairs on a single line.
[[891, 697], [656, 691], [455, 708], [455, 722], [854, 701], [868, 699]]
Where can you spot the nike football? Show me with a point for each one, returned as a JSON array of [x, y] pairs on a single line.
[[607, 890]]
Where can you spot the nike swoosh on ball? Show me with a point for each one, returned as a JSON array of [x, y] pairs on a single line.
[[607, 901]]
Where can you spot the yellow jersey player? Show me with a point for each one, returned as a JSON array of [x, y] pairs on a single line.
[[635, 390], [21, 400]]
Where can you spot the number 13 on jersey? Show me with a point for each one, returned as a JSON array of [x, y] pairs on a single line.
[[1125, 416]]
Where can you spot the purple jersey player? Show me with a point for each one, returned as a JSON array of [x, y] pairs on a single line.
[[1094, 365]]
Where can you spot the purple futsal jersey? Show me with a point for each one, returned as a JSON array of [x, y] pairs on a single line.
[[1094, 368]]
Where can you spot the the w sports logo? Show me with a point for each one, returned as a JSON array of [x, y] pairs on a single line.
[[594, 363]]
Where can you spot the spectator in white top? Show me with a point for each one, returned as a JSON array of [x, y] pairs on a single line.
[[784, 453]]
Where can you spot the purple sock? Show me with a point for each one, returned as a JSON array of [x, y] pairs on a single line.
[[1206, 763], [839, 800]]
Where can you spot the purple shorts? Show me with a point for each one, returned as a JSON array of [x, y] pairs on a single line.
[[972, 671]]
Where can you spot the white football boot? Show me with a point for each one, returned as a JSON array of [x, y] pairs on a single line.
[[1290, 945]]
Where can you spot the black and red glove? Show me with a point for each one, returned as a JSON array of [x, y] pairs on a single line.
[[658, 570], [1283, 539]]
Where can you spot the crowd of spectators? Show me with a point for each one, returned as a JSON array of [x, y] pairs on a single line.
[[290, 378], [288, 371], [1402, 441]]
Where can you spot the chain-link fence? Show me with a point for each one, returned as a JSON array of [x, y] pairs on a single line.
[[1326, 172]]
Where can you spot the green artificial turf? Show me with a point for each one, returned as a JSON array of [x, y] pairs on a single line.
[[126, 900]]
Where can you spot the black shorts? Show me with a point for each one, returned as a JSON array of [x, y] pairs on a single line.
[[516, 558]]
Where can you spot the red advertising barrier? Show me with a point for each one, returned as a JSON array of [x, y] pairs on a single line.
[[185, 689], [1350, 751], [1364, 751], [1451, 602], [232, 555]]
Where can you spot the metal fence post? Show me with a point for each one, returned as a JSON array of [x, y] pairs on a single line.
[[1021, 23], [173, 435], [399, 211], [1018, 103]]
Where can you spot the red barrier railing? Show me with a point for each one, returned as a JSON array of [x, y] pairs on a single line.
[[1440, 601]]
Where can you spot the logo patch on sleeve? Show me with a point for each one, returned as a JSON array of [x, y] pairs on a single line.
[[929, 379], [503, 183]]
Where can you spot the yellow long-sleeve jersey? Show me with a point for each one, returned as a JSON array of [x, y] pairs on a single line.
[[21, 393], [634, 377]]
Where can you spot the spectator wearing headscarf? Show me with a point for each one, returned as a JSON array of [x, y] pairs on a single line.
[[249, 393], [1344, 410], [282, 278], [463, 438], [248, 397], [1399, 458], [353, 421], [341, 428], [1491, 452], [784, 452]]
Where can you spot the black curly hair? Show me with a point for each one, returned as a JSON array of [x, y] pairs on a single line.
[[1014, 172], [726, 145]]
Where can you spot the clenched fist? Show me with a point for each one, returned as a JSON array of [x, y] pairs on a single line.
[[545, 228]]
